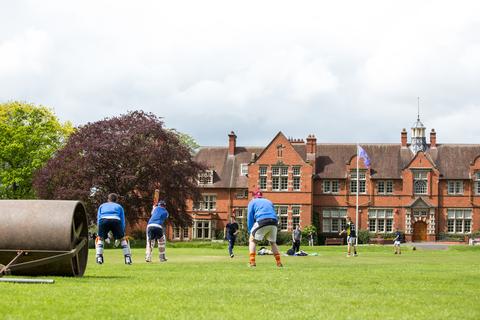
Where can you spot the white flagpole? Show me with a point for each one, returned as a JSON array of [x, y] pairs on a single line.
[[356, 208]]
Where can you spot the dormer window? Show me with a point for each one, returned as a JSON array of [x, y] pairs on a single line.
[[455, 187], [244, 169], [477, 183], [420, 179], [205, 178]]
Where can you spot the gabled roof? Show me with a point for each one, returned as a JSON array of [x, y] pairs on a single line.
[[300, 149], [226, 168], [420, 202], [454, 160], [387, 160]]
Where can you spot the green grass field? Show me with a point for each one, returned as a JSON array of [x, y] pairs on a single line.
[[204, 283]]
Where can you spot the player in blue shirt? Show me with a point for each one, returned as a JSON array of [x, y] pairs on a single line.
[[262, 224], [155, 231], [111, 217], [397, 241]]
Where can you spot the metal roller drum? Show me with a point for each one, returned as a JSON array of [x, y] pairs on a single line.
[[43, 237]]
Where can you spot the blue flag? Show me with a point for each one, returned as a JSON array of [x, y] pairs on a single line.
[[363, 154]]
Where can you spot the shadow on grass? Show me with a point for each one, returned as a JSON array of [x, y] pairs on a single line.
[[105, 277]]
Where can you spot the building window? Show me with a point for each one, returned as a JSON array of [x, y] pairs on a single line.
[[241, 216], [380, 220], [282, 214], [242, 194], [280, 148], [176, 232], [179, 232], [331, 186], [205, 178], [477, 183], [209, 203], [201, 229], [459, 220], [385, 187], [296, 178], [420, 182], [279, 178], [455, 187], [295, 216], [362, 181], [296, 171], [244, 169], [263, 178], [334, 220]]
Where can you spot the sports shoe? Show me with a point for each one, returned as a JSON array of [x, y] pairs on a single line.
[[348, 255], [148, 258], [232, 255], [128, 259], [100, 259], [163, 258], [252, 264], [355, 255], [279, 264]]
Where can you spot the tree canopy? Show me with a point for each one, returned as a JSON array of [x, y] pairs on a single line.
[[29, 136], [131, 155]]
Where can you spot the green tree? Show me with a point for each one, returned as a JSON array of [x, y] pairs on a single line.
[[187, 140], [29, 136]]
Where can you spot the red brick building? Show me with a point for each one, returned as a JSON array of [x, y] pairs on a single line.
[[424, 189]]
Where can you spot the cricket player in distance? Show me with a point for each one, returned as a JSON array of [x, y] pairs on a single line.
[[155, 231], [262, 224], [397, 241], [111, 217], [351, 237]]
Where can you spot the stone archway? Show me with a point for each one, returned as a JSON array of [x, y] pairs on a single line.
[[419, 231]]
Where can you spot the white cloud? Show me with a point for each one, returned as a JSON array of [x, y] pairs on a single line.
[[346, 71]]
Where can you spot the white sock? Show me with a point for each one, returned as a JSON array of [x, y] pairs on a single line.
[[99, 246], [125, 247], [161, 247]]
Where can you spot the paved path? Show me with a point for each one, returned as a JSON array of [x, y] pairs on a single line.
[[429, 245]]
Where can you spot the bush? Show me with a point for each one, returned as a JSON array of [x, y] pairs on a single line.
[[242, 237], [363, 236], [450, 237], [475, 235], [305, 234]]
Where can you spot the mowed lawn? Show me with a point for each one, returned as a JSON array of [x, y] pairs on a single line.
[[204, 283]]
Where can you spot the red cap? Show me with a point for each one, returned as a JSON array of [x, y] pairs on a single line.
[[258, 194]]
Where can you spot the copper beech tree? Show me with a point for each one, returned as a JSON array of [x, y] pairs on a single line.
[[131, 155]]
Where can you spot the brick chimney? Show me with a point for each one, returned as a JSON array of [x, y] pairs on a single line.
[[433, 139], [232, 143], [404, 138], [311, 147]]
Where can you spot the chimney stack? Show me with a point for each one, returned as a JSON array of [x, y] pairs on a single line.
[[232, 143], [404, 138], [311, 147], [433, 139]]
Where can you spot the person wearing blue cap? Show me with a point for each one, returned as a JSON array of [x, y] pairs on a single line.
[[155, 231]]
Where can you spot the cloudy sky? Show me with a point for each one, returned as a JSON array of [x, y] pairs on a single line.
[[346, 71]]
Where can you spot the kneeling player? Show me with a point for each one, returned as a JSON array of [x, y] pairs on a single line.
[[111, 217], [155, 231], [262, 224]]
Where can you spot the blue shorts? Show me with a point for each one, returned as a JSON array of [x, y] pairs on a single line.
[[154, 233], [107, 225]]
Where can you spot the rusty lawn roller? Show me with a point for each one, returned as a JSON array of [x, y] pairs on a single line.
[[43, 237]]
